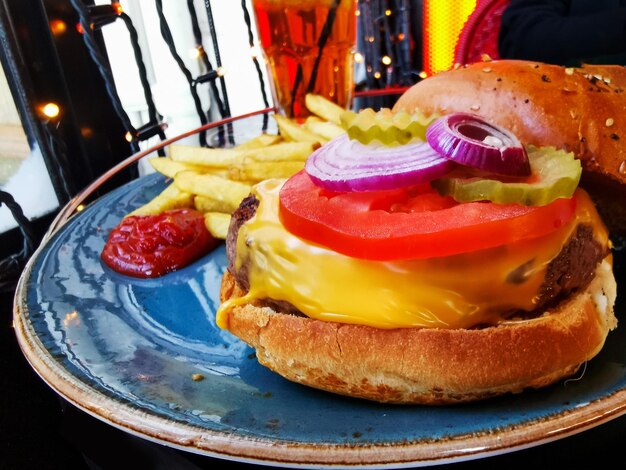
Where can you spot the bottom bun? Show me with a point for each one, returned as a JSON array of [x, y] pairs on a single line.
[[429, 365]]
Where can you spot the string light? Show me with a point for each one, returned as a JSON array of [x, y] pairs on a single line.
[[150, 130], [113, 8], [86, 132], [210, 76], [358, 58], [147, 131], [255, 52], [101, 15], [386, 44], [50, 110], [196, 53], [57, 27]]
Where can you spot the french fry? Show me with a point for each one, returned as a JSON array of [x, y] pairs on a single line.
[[292, 131], [209, 204], [168, 199], [202, 156], [259, 171], [217, 224], [327, 129], [324, 108], [229, 192], [168, 167], [263, 140], [281, 152], [214, 159]]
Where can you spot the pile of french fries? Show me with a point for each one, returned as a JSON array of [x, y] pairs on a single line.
[[215, 180]]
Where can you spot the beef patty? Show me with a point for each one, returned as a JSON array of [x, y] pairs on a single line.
[[572, 269]]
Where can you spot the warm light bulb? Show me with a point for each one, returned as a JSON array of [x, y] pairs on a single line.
[[255, 52], [386, 60], [51, 110], [358, 58], [196, 53], [57, 27], [86, 132], [128, 136]]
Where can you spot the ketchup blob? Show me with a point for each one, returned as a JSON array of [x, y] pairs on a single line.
[[152, 245]]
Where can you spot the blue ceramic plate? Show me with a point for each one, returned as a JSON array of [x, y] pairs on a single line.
[[128, 351]]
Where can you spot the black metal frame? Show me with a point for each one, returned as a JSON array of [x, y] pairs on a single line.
[[88, 137]]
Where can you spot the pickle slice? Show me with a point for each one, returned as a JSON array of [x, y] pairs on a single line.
[[385, 126], [554, 174]]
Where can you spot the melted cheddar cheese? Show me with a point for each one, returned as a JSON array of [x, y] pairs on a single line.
[[457, 291]]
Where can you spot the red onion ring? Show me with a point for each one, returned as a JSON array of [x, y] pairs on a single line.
[[347, 165], [470, 140]]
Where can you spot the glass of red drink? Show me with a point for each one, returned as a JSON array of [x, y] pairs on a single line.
[[309, 47]]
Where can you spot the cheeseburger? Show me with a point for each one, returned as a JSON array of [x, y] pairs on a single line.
[[439, 253]]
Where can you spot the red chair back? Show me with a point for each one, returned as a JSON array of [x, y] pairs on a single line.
[[479, 35]]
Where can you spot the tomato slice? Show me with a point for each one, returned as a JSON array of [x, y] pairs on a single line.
[[409, 223]]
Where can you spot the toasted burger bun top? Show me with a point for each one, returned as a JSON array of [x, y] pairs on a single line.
[[582, 110]]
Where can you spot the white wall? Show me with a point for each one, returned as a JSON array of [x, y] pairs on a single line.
[[169, 86], [8, 113]]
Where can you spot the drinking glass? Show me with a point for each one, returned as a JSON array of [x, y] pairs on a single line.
[[309, 47]]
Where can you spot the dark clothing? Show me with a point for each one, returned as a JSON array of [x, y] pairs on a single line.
[[564, 32]]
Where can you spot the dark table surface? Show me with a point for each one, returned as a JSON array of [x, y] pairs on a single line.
[[38, 429]]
